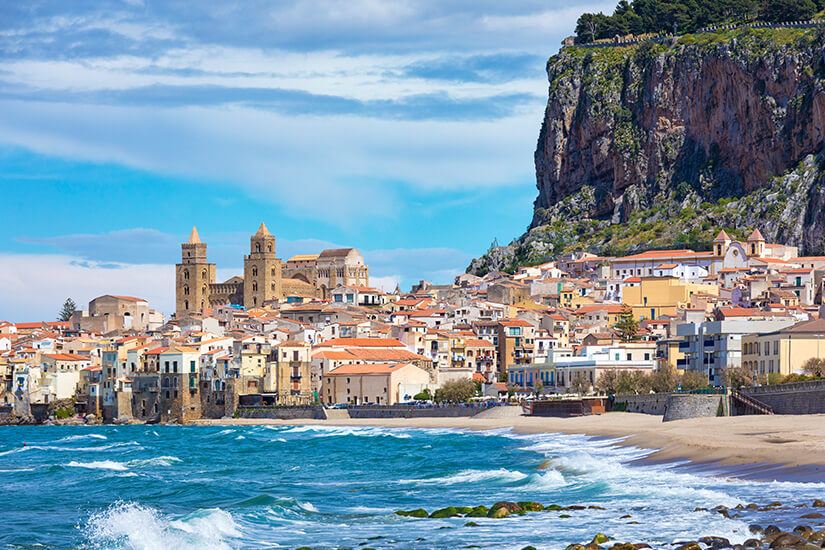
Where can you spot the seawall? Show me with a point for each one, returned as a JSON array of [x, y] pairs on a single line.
[[672, 406], [799, 398]]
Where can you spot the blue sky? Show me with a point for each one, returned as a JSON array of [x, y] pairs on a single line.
[[405, 129]]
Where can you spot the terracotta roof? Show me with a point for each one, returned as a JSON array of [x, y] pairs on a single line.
[[335, 252], [756, 236], [128, 298], [334, 354], [375, 368], [387, 355], [722, 236], [361, 342], [739, 311], [633, 280], [514, 323], [65, 357], [303, 258], [477, 343], [653, 254]]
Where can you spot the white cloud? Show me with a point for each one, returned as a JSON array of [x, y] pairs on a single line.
[[387, 283], [34, 287], [334, 168]]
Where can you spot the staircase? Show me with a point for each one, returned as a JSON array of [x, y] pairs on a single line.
[[749, 404]]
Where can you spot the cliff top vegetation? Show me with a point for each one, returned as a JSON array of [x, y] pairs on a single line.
[[640, 17]]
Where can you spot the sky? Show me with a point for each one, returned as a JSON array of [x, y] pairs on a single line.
[[405, 129]]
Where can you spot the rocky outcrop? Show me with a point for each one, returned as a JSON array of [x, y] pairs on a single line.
[[660, 145]]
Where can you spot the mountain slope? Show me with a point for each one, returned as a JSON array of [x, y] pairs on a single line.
[[661, 145]]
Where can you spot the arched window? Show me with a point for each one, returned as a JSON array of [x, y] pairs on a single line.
[[254, 271], [254, 301], [186, 274], [273, 271], [269, 248], [273, 287], [203, 274], [186, 291], [257, 247], [254, 287], [186, 304]]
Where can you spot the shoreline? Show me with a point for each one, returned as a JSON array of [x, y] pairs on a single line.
[[790, 445]]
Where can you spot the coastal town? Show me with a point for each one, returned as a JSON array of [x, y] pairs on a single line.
[[311, 331]]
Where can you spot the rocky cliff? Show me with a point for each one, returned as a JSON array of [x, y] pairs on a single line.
[[661, 145]]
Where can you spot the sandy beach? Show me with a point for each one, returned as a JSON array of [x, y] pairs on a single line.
[[797, 440]]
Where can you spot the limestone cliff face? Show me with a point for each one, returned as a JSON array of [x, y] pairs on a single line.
[[660, 145]]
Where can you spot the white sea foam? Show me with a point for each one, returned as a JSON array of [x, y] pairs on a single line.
[[139, 527], [338, 431], [308, 506], [80, 437], [99, 465], [156, 461], [469, 476]]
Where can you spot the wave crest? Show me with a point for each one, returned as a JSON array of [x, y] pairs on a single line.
[[138, 527]]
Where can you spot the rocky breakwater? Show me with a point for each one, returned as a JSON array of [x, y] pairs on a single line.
[[807, 534], [715, 130]]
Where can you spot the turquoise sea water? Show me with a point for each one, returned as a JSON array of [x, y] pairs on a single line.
[[156, 487]]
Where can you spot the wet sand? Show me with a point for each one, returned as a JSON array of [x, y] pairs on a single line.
[[766, 442]]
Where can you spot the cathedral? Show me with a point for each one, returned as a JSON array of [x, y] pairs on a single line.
[[266, 280]]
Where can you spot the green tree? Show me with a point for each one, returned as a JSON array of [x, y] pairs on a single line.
[[580, 384], [692, 380], [608, 382], [627, 327], [788, 10], [814, 367], [423, 395], [737, 377], [459, 391], [69, 307]]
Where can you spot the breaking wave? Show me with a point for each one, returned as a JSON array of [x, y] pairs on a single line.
[[136, 527]]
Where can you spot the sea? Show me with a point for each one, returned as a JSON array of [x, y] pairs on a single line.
[[196, 487]]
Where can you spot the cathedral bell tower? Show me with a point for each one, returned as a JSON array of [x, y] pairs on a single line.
[[262, 270], [192, 277]]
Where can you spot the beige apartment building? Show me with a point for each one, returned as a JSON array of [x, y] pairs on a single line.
[[784, 351], [376, 383], [289, 376]]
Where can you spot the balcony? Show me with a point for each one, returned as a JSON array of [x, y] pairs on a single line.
[[295, 378]]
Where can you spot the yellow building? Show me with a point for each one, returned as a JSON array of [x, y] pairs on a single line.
[[784, 351], [653, 297], [669, 357]]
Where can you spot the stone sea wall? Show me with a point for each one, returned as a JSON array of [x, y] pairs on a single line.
[[682, 406], [281, 413], [412, 412], [654, 403], [801, 398]]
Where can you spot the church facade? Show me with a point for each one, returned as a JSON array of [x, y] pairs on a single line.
[[266, 279]]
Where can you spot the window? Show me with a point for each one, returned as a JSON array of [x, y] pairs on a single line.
[[257, 247], [186, 274], [647, 356], [776, 347], [254, 271], [166, 364], [766, 348], [174, 366], [191, 366], [629, 357]]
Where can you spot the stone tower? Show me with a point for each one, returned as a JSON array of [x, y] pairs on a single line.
[[192, 277], [261, 269]]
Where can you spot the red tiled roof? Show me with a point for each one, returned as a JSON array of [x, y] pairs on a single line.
[[375, 368]]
